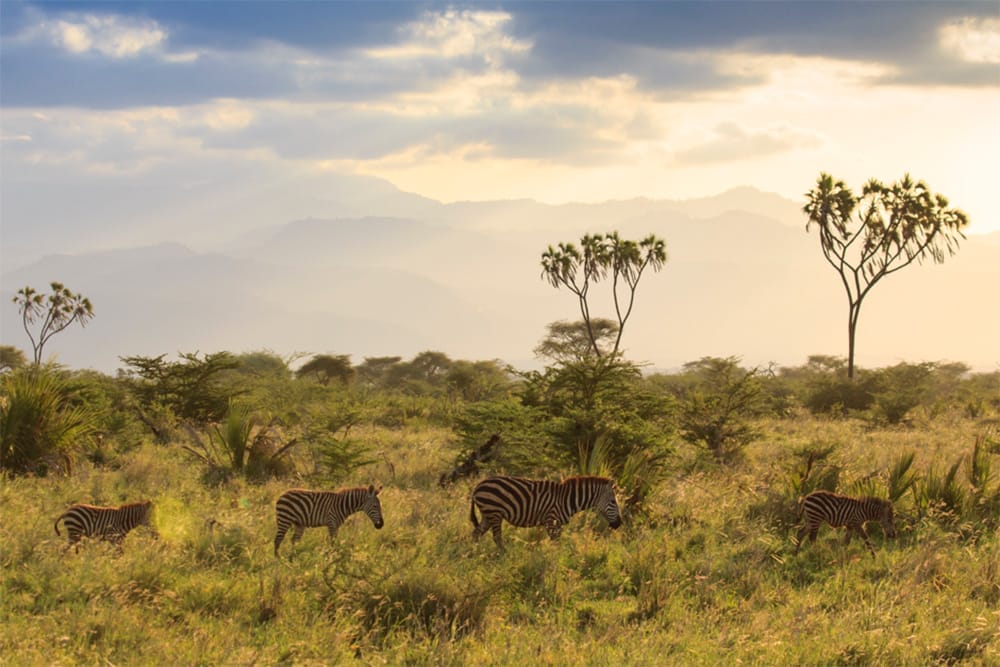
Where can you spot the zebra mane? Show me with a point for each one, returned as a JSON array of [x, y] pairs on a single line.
[[364, 488], [587, 478], [141, 503]]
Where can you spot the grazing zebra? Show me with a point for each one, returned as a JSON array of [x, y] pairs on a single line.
[[310, 509], [529, 502], [838, 510], [109, 523]]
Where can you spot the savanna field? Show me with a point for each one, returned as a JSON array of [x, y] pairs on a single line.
[[702, 572]]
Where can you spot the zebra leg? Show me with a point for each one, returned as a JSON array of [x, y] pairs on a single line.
[[116, 539], [297, 533], [279, 537], [810, 528], [481, 527], [799, 536], [331, 531], [554, 529], [74, 541], [868, 542], [496, 534]]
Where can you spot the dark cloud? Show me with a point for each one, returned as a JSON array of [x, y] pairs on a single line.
[[230, 25], [260, 49], [574, 39]]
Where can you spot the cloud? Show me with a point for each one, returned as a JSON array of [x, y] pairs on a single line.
[[659, 43], [109, 35], [730, 141], [974, 40], [454, 33]]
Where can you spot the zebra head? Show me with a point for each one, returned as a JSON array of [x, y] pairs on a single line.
[[885, 517], [145, 512], [372, 507], [607, 505]]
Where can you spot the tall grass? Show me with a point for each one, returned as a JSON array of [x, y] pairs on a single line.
[[710, 579]]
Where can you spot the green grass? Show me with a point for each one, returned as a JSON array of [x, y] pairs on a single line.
[[709, 578]]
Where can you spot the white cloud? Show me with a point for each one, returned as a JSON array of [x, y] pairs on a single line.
[[972, 40], [111, 36], [453, 34], [226, 115]]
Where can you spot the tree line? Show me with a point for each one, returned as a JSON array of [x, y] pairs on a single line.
[[589, 409]]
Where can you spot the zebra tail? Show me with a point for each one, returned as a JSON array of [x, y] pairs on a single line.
[[61, 517], [472, 514]]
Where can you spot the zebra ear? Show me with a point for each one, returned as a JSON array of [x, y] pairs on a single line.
[[372, 489]]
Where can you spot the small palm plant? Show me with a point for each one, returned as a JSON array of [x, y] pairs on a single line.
[[241, 444], [39, 424]]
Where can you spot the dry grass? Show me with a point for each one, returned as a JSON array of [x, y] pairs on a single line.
[[706, 581]]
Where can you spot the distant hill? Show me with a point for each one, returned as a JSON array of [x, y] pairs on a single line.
[[744, 278]]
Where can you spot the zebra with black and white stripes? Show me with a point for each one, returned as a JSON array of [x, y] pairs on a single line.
[[531, 502], [303, 509], [837, 510], [108, 523]]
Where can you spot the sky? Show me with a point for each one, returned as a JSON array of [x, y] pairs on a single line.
[[552, 101]]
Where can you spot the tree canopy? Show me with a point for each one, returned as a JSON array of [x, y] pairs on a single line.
[[54, 311], [870, 236], [603, 256]]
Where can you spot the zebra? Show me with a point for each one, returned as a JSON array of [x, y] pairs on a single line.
[[303, 509], [838, 510], [110, 523], [530, 502]]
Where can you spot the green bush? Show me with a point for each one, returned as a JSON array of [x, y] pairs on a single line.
[[898, 390], [717, 409], [40, 427]]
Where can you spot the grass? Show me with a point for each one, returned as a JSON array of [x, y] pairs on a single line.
[[709, 579]]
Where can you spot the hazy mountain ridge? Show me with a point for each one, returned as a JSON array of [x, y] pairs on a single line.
[[465, 279]]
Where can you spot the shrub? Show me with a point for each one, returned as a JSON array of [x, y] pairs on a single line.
[[899, 389], [836, 396], [39, 426], [716, 411], [241, 445]]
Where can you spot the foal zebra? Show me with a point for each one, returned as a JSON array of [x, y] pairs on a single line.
[[303, 509], [838, 510], [530, 502], [109, 523]]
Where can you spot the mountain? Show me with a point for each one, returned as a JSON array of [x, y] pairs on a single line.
[[744, 278]]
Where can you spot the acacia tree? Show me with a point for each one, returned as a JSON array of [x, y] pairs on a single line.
[[569, 342], [55, 311], [600, 257], [888, 227], [328, 367], [11, 358]]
